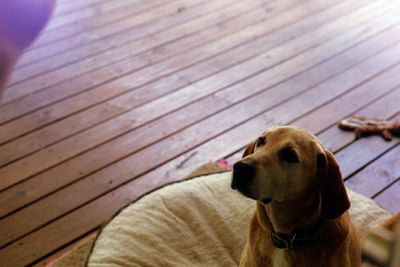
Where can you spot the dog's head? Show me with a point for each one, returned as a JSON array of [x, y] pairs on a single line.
[[288, 163]]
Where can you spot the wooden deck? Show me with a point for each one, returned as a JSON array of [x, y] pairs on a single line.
[[119, 97]]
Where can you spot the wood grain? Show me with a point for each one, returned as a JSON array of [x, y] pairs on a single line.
[[151, 110], [298, 83], [170, 147], [74, 104], [67, 31], [117, 98], [86, 81], [103, 47]]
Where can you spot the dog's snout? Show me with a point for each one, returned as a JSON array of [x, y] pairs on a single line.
[[242, 173]]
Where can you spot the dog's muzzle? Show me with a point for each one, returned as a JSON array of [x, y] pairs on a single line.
[[243, 173]]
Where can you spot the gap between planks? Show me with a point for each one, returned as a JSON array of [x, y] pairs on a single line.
[[126, 72], [127, 114], [320, 90]]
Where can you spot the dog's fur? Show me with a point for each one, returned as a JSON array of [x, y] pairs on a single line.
[[20, 23], [296, 183]]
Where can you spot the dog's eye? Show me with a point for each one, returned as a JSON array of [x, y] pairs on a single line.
[[260, 141], [289, 155]]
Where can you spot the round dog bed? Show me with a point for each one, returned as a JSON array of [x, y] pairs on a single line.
[[197, 222]]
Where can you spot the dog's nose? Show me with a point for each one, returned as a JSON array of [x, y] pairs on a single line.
[[243, 169], [242, 173]]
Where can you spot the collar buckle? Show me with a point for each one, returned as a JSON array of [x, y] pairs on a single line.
[[291, 244]]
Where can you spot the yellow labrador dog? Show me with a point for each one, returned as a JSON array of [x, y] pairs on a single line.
[[20, 23], [301, 217]]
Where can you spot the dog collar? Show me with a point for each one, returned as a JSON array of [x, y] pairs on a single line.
[[296, 239]]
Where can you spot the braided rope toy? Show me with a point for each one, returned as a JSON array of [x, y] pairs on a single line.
[[365, 127]]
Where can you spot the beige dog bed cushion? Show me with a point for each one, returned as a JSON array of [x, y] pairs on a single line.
[[198, 222]]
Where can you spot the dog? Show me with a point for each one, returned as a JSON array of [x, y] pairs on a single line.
[[301, 216], [20, 23]]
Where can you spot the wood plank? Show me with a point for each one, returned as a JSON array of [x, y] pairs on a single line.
[[323, 120], [375, 177], [21, 254], [55, 112], [257, 30], [91, 30], [40, 118], [66, 7], [65, 4], [364, 150], [172, 170], [362, 101], [98, 9], [390, 198], [70, 30], [64, 251], [93, 34], [37, 119], [91, 210], [45, 182], [172, 150], [166, 14], [84, 82], [379, 174], [334, 138], [172, 146], [197, 157], [15, 173]]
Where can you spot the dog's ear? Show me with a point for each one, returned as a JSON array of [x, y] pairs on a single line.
[[249, 149], [333, 194]]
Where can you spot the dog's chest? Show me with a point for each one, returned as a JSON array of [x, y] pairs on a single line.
[[279, 259]]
